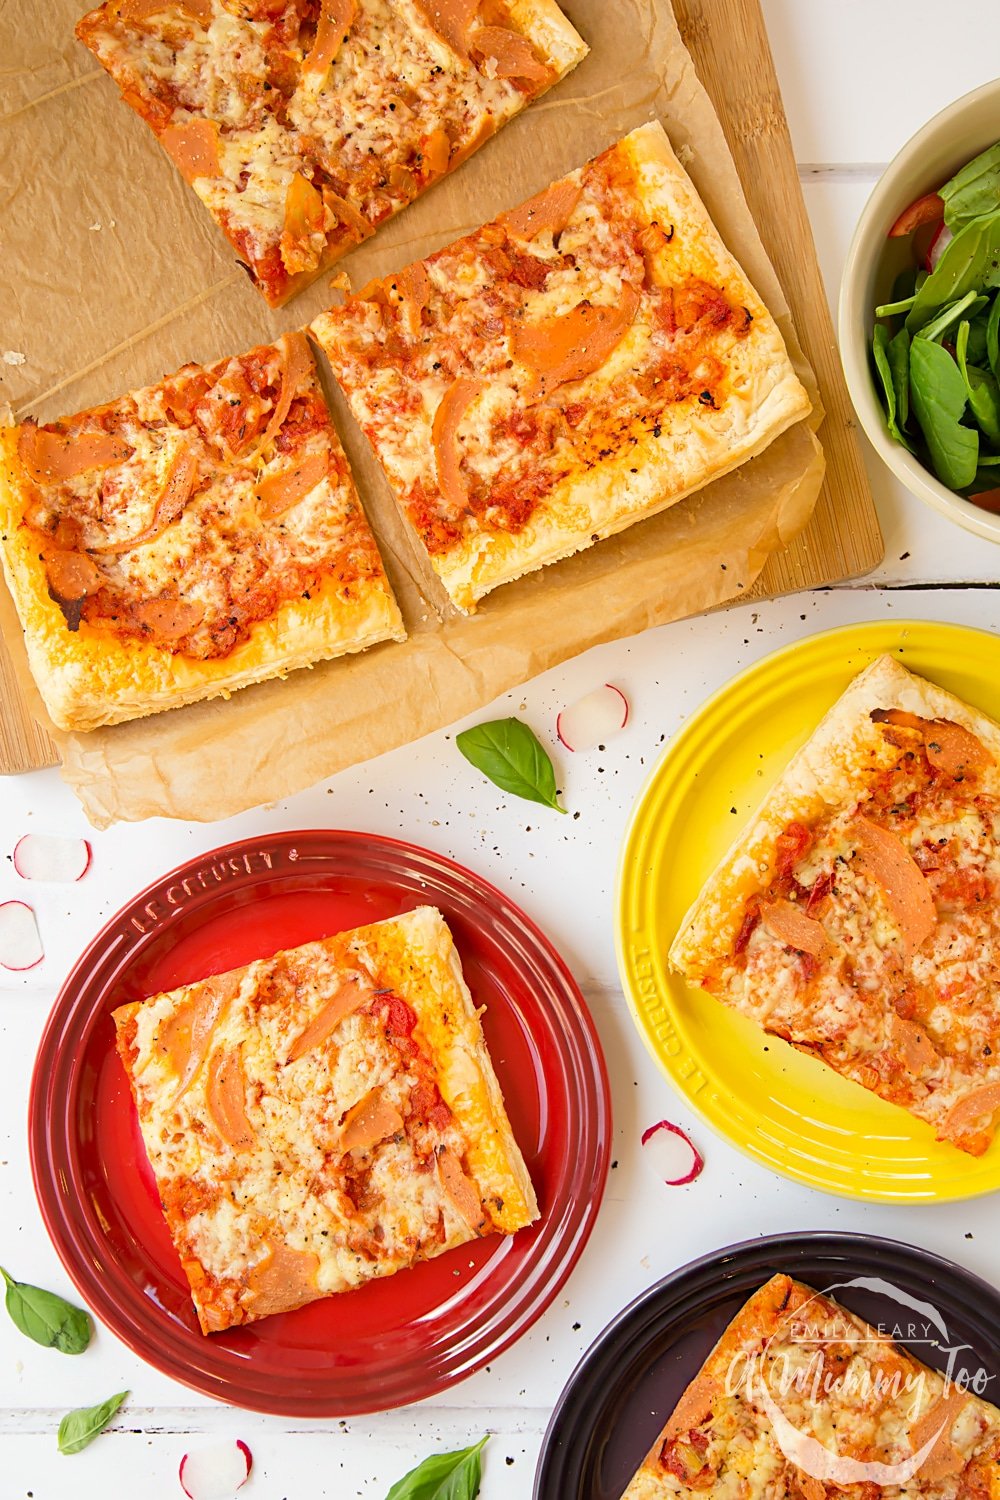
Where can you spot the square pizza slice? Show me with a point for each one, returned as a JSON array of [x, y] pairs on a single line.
[[322, 1117], [858, 915], [304, 124], [583, 362], [188, 539], [802, 1400]]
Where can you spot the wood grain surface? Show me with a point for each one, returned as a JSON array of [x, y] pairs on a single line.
[[728, 42]]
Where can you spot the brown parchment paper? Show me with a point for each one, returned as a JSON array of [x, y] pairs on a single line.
[[113, 274]]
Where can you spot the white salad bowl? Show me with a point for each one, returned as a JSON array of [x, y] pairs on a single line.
[[927, 160]]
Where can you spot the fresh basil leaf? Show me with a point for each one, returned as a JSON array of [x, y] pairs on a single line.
[[78, 1429], [45, 1317], [938, 396], [975, 190], [880, 349], [443, 1476], [508, 753], [971, 263], [981, 388], [899, 363], [993, 337], [942, 322]]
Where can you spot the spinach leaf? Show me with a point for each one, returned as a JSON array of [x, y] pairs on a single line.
[[978, 352], [993, 337], [881, 347], [982, 390], [938, 394], [45, 1317], [79, 1428], [443, 1476], [892, 309], [971, 263], [899, 364], [904, 285], [942, 322], [508, 753], [975, 190]]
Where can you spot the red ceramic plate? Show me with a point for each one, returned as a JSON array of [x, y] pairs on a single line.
[[390, 1342]]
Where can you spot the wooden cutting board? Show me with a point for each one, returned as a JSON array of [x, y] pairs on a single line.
[[728, 42]]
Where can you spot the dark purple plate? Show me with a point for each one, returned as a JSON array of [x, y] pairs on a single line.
[[629, 1381]]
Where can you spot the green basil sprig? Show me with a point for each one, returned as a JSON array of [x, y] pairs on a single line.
[[46, 1318], [78, 1429], [443, 1476], [507, 752]]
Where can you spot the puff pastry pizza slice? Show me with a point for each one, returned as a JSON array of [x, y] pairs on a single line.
[[802, 1400], [304, 124], [188, 539], [584, 361], [323, 1117], [858, 916]]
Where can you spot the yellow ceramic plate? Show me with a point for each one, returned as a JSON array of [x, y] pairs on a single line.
[[786, 1110]]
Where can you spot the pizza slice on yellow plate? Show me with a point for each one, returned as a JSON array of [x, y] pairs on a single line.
[[321, 1118], [584, 361], [802, 1400], [858, 915]]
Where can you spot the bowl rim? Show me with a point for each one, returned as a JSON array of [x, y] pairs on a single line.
[[851, 317]]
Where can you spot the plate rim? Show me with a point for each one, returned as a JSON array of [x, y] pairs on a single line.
[[689, 728], [72, 1004], [724, 1258]]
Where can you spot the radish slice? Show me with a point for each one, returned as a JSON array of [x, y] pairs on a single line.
[[593, 719], [216, 1473], [938, 245], [39, 856], [20, 945], [673, 1154]]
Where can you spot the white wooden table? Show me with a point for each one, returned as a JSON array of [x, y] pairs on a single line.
[[858, 79]]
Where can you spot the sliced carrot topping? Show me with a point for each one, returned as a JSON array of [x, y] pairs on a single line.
[[791, 926], [976, 1105], [286, 1278], [371, 1120], [463, 1193], [456, 402], [350, 997], [296, 366], [451, 20], [436, 152], [169, 507], [913, 1045], [547, 212], [950, 747], [168, 618], [72, 575], [279, 491], [226, 1097], [48, 457], [347, 215], [183, 1038], [336, 17], [944, 1458], [882, 856], [572, 345], [511, 55], [194, 148], [305, 217]]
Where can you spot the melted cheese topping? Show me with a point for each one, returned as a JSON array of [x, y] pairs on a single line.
[[228, 551], [682, 350], [396, 108], [797, 1358], [283, 1175], [918, 1028]]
